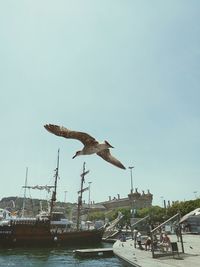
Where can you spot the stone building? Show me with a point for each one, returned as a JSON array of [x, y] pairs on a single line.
[[135, 200]]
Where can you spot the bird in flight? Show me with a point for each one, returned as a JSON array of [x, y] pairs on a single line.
[[91, 145]]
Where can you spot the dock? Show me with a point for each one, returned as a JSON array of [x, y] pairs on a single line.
[[134, 257], [96, 252]]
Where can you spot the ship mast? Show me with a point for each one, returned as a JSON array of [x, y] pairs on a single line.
[[53, 198], [80, 196], [24, 200]]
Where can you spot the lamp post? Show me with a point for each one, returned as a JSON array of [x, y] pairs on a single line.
[[132, 210], [131, 167], [131, 196], [65, 192]]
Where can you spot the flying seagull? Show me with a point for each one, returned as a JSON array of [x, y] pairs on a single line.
[[91, 145]]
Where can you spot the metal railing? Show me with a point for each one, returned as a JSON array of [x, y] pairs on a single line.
[[159, 229]]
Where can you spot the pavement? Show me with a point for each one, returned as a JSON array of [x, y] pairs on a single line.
[[131, 256]]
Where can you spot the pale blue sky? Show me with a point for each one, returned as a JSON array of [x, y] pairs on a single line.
[[124, 71]]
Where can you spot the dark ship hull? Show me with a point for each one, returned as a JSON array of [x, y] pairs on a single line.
[[39, 233]]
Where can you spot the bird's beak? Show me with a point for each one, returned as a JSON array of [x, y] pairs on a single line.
[[74, 156]]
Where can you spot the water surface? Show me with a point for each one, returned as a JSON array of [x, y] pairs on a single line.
[[51, 257]]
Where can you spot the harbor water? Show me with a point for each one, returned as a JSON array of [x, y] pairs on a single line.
[[51, 257]]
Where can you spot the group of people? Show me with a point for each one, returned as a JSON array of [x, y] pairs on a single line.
[[164, 243], [159, 241]]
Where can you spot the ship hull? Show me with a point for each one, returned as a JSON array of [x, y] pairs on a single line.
[[40, 234]]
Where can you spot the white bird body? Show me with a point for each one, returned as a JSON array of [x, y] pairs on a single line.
[[91, 145], [92, 149]]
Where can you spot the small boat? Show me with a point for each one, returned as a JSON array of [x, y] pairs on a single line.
[[48, 231]]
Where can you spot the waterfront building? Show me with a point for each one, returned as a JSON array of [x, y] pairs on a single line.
[[135, 200]]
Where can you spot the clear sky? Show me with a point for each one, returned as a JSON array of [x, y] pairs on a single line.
[[123, 71]]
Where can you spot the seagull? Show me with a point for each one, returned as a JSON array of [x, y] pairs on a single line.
[[91, 145]]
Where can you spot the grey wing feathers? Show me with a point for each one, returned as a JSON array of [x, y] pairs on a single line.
[[67, 133], [106, 155]]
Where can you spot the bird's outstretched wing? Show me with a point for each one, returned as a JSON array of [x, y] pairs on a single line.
[[106, 155], [67, 133]]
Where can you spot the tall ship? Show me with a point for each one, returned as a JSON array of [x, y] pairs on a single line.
[[47, 229]]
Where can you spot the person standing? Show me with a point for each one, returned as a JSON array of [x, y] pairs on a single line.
[[178, 232], [148, 243], [135, 232], [139, 240]]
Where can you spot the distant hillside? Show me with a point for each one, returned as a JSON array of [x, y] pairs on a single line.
[[32, 206]]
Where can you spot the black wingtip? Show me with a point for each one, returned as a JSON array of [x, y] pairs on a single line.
[[47, 127], [120, 165], [50, 127]]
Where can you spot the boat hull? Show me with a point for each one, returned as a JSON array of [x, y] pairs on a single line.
[[40, 234]]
